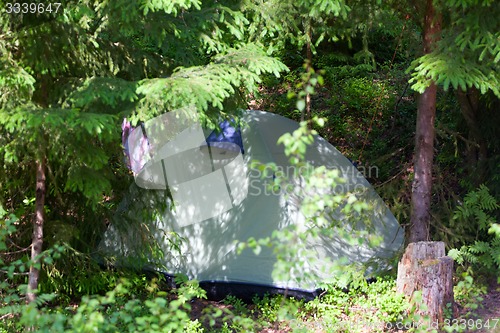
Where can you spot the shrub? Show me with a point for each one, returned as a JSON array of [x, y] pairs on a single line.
[[476, 216]]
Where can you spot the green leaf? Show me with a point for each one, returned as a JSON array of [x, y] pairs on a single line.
[[301, 104]]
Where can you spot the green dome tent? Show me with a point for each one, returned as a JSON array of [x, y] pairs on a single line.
[[220, 197]]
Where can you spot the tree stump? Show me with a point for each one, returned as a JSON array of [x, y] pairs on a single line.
[[424, 267]]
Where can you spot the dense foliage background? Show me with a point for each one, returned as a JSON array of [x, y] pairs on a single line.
[[69, 77]]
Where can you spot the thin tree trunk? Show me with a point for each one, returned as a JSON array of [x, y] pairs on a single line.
[[37, 240], [307, 110], [424, 143], [308, 69]]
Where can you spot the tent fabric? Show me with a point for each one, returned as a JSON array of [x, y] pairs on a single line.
[[135, 161], [207, 251], [227, 132], [205, 180]]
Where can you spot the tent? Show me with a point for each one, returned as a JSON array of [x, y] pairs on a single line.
[[197, 192]]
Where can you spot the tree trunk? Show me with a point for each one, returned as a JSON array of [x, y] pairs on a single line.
[[307, 112], [308, 69], [424, 143], [424, 267], [37, 239]]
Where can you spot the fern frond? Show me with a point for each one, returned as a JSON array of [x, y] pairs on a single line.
[[479, 247]]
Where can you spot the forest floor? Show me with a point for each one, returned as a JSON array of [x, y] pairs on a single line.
[[487, 314], [489, 310]]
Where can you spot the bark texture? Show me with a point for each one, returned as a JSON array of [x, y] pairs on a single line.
[[424, 267], [424, 140], [306, 114], [37, 238]]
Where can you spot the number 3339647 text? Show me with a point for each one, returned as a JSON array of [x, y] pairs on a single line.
[[28, 7]]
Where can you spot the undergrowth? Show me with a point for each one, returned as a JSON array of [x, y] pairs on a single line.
[[477, 216]]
